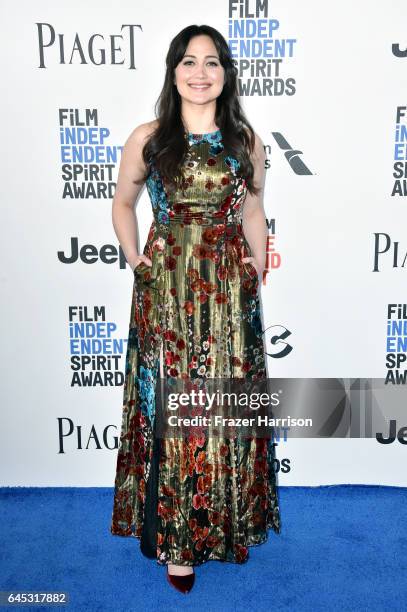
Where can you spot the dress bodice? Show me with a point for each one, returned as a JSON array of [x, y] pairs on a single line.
[[211, 188]]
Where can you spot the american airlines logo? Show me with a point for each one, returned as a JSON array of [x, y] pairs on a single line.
[[291, 155]]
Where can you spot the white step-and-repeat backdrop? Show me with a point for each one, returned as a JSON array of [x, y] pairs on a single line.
[[324, 85]]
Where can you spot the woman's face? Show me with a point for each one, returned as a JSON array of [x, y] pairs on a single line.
[[200, 76]]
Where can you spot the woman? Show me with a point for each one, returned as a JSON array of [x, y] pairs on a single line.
[[195, 314]]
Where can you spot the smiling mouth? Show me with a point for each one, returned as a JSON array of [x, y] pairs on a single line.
[[199, 86]]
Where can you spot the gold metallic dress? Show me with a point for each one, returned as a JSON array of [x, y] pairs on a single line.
[[195, 313]]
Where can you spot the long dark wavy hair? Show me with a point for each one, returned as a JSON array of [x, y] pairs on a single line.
[[167, 145]]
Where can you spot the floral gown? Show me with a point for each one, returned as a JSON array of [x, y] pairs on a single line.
[[195, 313]]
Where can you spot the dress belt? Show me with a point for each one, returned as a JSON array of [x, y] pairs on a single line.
[[190, 219]]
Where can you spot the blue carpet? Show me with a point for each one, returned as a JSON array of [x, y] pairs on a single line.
[[341, 548]]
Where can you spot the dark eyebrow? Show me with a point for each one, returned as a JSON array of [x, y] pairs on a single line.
[[189, 55]]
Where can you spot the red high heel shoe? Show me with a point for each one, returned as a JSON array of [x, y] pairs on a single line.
[[183, 584]]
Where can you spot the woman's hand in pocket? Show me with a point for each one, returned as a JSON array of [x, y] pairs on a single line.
[[254, 263], [140, 258]]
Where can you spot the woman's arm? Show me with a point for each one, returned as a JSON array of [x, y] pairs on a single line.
[[254, 218], [132, 168]]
